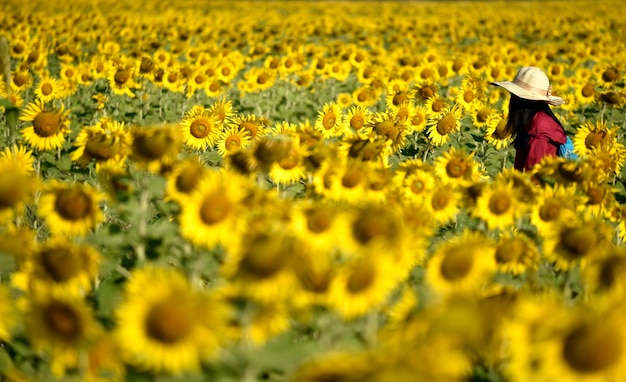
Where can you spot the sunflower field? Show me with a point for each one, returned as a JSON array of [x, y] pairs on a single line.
[[307, 191]]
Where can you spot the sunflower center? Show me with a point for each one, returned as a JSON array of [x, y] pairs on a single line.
[[225, 71], [509, 251], [328, 122], [99, 147], [611, 271], [593, 139], [438, 106], [72, 204], [592, 349], [446, 125], [595, 195], [370, 226], [153, 147], [172, 77], [362, 96], [361, 278], [357, 122], [426, 73], [63, 320], [121, 77], [418, 186], [500, 131], [169, 321], [482, 115], [215, 208], [388, 129], [468, 96], [610, 75], [550, 210], [426, 92], [61, 264], [251, 128], [199, 79], [262, 78], [417, 119], [351, 178], [456, 264], [146, 65], [264, 257], [588, 91], [440, 201], [290, 161], [232, 143], [188, 179], [499, 203], [47, 124], [319, 220], [200, 128], [579, 241], [457, 167], [400, 99], [19, 79]]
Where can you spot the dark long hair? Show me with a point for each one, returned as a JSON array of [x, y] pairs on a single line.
[[521, 113]]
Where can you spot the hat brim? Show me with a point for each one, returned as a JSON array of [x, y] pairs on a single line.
[[528, 94]]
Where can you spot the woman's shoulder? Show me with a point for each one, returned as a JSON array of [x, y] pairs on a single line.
[[544, 120]]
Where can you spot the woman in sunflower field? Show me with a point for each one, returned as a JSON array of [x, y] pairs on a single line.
[[537, 132]]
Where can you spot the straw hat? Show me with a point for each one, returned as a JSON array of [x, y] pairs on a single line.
[[531, 83]]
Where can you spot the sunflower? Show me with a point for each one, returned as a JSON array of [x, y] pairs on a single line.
[[424, 90], [357, 120], [199, 128], [605, 275], [416, 185], [362, 285], [456, 167], [104, 362], [495, 132], [577, 242], [184, 178], [62, 325], [121, 76], [468, 97], [388, 127], [555, 205], [365, 96], [600, 198], [222, 109], [289, 168], [586, 346], [71, 209], [231, 140], [462, 264], [251, 124], [440, 126], [211, 213], [436, 106], [172, 79], [108, 143], [329, 120], [516, 253], [314, 269], [260, 266], [416, 118], [259, 79], [399, 93], [165, 325], [481, 115], [594, 135], [497, 206], [155, 147], [443, 202], [61, 264], [48, 128], [18, 158], [261, 321], [586, 92], [47, 89], [17, 186]]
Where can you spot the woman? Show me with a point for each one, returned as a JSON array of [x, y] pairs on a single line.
[[537, 132]]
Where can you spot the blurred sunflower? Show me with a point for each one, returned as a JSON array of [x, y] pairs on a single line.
[[399, 94], [290, 167], [516, 253], [165, 325], [155, 147], [62, 265], [600, 198], [443, 202], [365, 96], [416, 185], [387, 126], [70, 209], [199, 128], [108, 143], [456, 167], [211, 213], [605, 275], [495, 132], [184, 178], [17, 187], [497, 206], [222, 108], [8, 313], [49, 126], [436, 107], [553, 206], [362, 285], [18, 158], [462, 264], [440, 126], [577, 242], [417, 118], [62, 325], [251, 124], [121, 76], [585, 92]]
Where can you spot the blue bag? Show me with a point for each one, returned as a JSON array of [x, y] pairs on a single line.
[[566, 150]]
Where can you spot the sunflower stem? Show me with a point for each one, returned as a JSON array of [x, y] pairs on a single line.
[[371, 328]]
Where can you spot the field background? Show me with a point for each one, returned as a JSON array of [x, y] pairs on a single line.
[[307, 191]]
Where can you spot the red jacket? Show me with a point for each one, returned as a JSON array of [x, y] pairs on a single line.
[[544, 137]]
